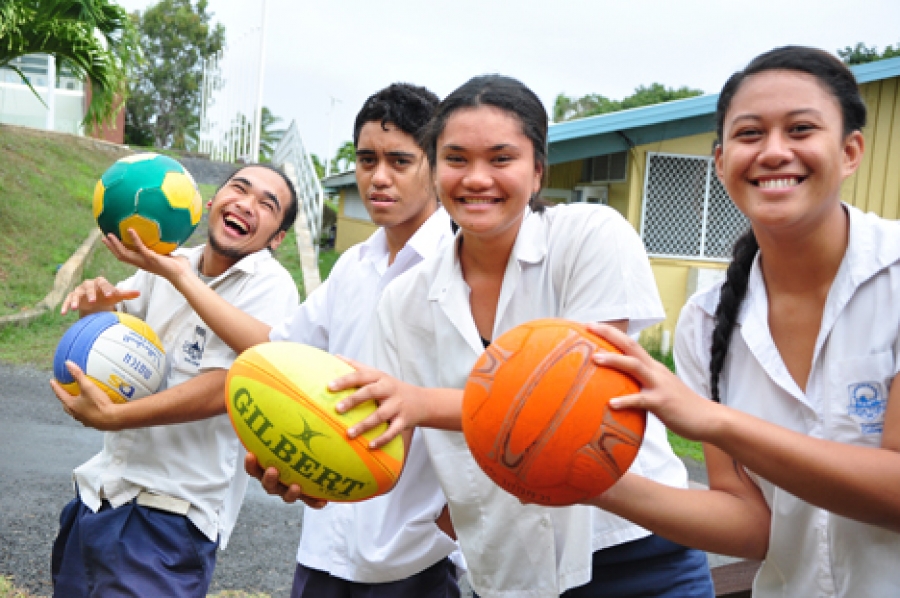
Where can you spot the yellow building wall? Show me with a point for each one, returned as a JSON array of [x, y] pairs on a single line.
[[350, 231], [875, 187]]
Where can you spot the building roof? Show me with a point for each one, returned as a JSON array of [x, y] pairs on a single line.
[[342, 179], [618, 131]]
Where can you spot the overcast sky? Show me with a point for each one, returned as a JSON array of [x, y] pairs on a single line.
[[349, 49]]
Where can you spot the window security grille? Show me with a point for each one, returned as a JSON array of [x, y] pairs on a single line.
[[686, 211]]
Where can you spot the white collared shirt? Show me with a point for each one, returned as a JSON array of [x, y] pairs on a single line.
[[390, 537], [813, 552], [584, 263], [200, 462]]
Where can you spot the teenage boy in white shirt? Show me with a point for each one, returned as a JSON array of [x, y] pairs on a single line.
[[398, 544], [153, 506]]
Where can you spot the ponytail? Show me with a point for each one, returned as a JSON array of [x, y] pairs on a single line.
[[732, 294]]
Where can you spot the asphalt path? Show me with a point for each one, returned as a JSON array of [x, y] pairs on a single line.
[[39, 447]]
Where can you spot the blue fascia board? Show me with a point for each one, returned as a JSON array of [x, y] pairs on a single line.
[[876, 71], [615, 141], [569, 140]]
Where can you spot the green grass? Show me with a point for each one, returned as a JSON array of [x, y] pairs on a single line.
[[327, 258], [46, 190], [9, 590]]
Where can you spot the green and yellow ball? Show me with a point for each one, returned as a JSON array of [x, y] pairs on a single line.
[[151, 193]]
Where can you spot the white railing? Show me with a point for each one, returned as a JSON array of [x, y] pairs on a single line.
[[290, 150]]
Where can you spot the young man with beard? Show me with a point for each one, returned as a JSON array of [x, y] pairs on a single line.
[[155, 503], [396, 545]]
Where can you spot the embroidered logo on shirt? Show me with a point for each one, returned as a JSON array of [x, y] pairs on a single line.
[[868, 402], [193, 349]]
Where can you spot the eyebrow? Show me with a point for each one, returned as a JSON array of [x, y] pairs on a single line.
[[268, 194], [393, 154], [495, 148], [797, 112]]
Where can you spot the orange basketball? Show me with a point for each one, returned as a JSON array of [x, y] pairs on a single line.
[[536, 419]]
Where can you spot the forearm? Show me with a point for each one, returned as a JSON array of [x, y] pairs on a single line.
[[710, 520], [857, 482], [444, 409], [199, 398], [237, 329]]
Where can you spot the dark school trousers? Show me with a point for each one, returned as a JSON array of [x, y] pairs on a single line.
[[132, 551], [651, 567], [437, 581]]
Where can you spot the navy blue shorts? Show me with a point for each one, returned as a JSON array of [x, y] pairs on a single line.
[[645, 568], [131, 551], [438, 581]]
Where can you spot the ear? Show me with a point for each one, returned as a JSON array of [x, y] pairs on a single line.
[[854, 148], [717, 157], [538, 178], [276, 240]]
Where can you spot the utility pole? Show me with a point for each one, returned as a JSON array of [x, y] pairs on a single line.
[[334, 101], [254, 147]]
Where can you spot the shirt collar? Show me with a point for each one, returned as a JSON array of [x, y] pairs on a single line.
[[247, 264], [424, 242]]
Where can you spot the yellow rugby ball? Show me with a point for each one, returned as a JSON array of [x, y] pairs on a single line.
[[284, 414]]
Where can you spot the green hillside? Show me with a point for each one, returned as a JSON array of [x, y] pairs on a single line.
[[46, 189]]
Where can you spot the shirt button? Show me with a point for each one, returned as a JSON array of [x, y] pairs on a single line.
[[545, 522]]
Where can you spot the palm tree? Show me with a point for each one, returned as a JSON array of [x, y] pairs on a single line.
[[345, 157], [95, 39], [268, 137]]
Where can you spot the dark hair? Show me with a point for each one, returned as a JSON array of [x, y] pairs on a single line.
[[505, 93], [408, 107], [834, 76], [290, 214]]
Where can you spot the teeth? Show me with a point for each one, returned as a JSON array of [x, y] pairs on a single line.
[[235, 222], [476, 200], [779, 183]]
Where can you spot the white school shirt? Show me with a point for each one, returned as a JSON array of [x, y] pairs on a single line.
[[813, 552], [202, 461], [390, 537], [583, 263]]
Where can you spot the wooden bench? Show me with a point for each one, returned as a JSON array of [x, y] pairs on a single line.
[[735, 580]]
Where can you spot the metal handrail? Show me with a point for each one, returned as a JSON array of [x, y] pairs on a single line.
[[290, 150]]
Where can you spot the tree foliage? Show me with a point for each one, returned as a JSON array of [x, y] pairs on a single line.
[[268, 136], [94, 39], [570, 108], [861, 54], [176, 36]]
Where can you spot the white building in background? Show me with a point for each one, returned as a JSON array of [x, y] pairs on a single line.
[[65, 102]]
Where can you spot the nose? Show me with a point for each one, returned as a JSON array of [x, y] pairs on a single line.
[[477, 177], [381, 178], [776, 149]]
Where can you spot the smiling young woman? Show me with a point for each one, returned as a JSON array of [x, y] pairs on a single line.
[[798, 349], [510, 264]]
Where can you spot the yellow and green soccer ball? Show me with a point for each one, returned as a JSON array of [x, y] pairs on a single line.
[[151, 193]]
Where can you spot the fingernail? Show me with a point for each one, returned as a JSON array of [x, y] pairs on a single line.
[[351, 432], [615, 403], [599, 358], [331, 385], [341, 407]]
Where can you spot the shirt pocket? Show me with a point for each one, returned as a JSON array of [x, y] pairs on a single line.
[[858, 398]]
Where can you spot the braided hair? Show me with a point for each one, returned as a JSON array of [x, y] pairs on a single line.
[[837, 79]]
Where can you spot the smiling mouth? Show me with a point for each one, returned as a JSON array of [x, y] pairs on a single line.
[[477, 200], [236, 224], [381, 199], [782, 183]]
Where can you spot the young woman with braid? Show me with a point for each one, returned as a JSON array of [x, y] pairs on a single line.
[[799, 348]]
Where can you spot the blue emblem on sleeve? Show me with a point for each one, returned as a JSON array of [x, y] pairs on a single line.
[[868, 402]]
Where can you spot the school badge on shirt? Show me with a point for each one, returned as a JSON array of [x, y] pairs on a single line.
[[193, 349], [868, 402]]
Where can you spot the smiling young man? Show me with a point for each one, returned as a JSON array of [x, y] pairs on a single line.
[[155, 503], [396, 545]]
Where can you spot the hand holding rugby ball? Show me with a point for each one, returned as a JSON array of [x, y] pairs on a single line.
[[282, 411]]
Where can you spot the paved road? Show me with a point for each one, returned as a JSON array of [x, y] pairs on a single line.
[[39, 447]]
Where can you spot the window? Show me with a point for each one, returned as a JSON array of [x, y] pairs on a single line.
[[610, 168], [686, 211]]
